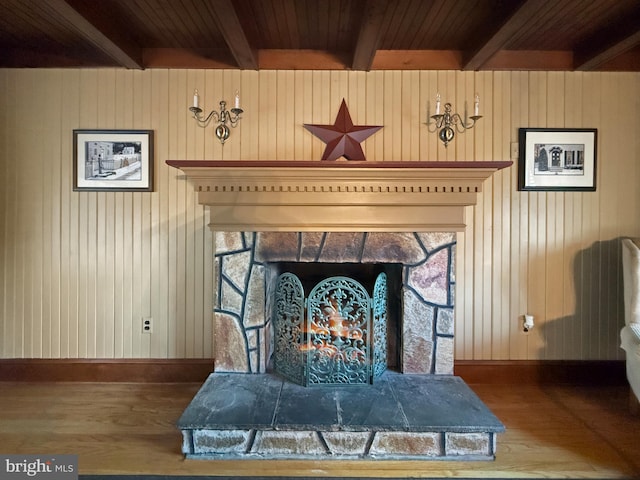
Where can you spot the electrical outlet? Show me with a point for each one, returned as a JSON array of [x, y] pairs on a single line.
[[514, 151], [147, 325]]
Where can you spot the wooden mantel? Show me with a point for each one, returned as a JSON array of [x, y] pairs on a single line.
[[338, 195]]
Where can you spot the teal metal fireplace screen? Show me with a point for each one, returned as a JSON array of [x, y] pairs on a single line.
[[342, 339]]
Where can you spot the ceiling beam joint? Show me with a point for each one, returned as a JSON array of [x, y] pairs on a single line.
[[369, 35], [126, 55], [500, 37], [234, 36]]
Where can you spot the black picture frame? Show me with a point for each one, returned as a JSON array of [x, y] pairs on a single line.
[[557, 159], [113, 160]]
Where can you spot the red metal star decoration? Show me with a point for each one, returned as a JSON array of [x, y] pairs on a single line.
[[342, 138]]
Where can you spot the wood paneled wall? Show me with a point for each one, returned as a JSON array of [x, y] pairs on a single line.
[[79, 270]]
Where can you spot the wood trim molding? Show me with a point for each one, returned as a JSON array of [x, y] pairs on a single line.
[[541, 372], [352, 196], [186, 370], [146, 370]]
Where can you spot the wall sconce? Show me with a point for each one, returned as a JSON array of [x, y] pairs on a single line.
[[224, 117], [447, 123]]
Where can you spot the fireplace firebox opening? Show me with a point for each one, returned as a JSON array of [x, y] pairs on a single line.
[[330, 321]]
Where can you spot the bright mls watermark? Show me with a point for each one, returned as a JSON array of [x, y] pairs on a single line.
[[32, 467]]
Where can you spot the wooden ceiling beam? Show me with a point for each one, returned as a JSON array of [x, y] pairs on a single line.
[[271, 59], [417, 60], [557, 60], [369, 35], [119, 50], [623, 36], [214, 58], [499, 37], [31, 58], [234, 36]]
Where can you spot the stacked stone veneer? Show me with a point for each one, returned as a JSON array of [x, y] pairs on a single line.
[[242, 324]]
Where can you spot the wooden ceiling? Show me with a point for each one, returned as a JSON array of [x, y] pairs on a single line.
[[567, 35]]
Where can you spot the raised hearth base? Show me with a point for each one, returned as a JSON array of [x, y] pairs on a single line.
[[426, 417]]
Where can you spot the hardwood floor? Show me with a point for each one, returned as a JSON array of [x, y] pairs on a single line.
[[552, 432]]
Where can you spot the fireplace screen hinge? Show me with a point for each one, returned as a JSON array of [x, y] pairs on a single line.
[[342, 339]]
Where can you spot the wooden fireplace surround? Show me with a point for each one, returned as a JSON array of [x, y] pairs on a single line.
[[354, 196]]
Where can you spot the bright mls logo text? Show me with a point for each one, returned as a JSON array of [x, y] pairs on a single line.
[[58, 467]]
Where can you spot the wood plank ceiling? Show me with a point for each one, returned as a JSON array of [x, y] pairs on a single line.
[[601, 35]]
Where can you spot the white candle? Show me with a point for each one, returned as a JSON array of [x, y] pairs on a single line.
[[237, 99], [195, 98], [438, 104], [476, 105]]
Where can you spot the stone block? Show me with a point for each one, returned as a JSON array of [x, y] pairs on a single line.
[[463, 444], [389, 444], [276, 247], [444, 356], [187, 442], [342, 247], [228, 242], [255, 298], [431, 279], [433, 240], [382, 247], [310, 246], [231, 300], [287, 442], [417, 334], [236, 268], [346, 443], [220, 441], [231, 354], [445, 322]]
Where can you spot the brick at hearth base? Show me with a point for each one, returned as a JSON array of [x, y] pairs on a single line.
[[307, 444]]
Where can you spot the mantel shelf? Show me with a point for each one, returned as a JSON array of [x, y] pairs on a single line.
[[337, 195], [339, 164]]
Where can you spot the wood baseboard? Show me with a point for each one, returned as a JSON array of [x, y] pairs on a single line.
[[105, 370], [534, 372], [538, 372]]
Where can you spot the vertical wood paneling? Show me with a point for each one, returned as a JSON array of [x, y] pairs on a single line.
[[285, 94], [250, 119], [80, 269], [428, 92], [519, 241], [323, 110], [537, 222], [52, 244], [6, 337], [392, 131], [574, 118], [302, 105], [160, 210], [266, 109], [12, 336], [500, 246], [375, 115], [589, 257], [553, 227], [193, 319], [177, 221], [69, 315]]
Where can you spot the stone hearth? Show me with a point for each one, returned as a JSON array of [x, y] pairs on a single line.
[[426, 417]]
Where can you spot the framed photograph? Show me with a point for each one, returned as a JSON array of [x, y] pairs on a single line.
[[561, 159], [113, 160]]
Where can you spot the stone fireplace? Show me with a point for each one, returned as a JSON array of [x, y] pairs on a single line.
[[420, 330], [320, 219]]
